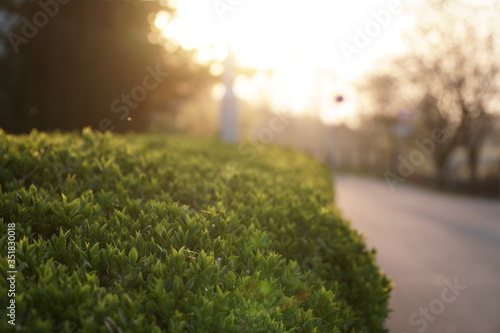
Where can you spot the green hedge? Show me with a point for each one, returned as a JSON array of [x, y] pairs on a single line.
[[166, 234]]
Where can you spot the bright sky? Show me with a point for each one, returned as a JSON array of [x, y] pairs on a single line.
[[310, 46]]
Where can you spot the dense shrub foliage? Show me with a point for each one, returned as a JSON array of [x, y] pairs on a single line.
[[165, 234]]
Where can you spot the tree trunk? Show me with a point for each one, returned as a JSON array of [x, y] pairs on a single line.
[[472, 161], [441, 172]]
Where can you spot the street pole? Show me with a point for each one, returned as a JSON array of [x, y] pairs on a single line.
[[228, 126]]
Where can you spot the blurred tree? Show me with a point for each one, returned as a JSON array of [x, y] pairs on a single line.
[[450, 76], [454, 62], [382, 97], [70, 64], [432, 117]]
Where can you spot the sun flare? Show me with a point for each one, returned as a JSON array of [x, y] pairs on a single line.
[[300, 43]]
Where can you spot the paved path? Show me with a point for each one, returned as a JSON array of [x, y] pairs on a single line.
[[442, 252]]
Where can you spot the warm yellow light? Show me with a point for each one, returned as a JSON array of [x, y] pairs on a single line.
[[290, 37], [216, 69], [161, 20]]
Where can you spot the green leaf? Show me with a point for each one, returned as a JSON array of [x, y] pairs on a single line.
[[228, 321], [95, 261], [133, 255], [94, 249]]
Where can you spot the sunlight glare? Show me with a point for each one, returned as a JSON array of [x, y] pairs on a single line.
[[293, 39], [161, 21]]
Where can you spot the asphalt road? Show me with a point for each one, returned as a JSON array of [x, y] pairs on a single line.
[[442, 252]]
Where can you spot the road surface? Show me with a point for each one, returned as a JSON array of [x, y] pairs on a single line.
[[442, 252]]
